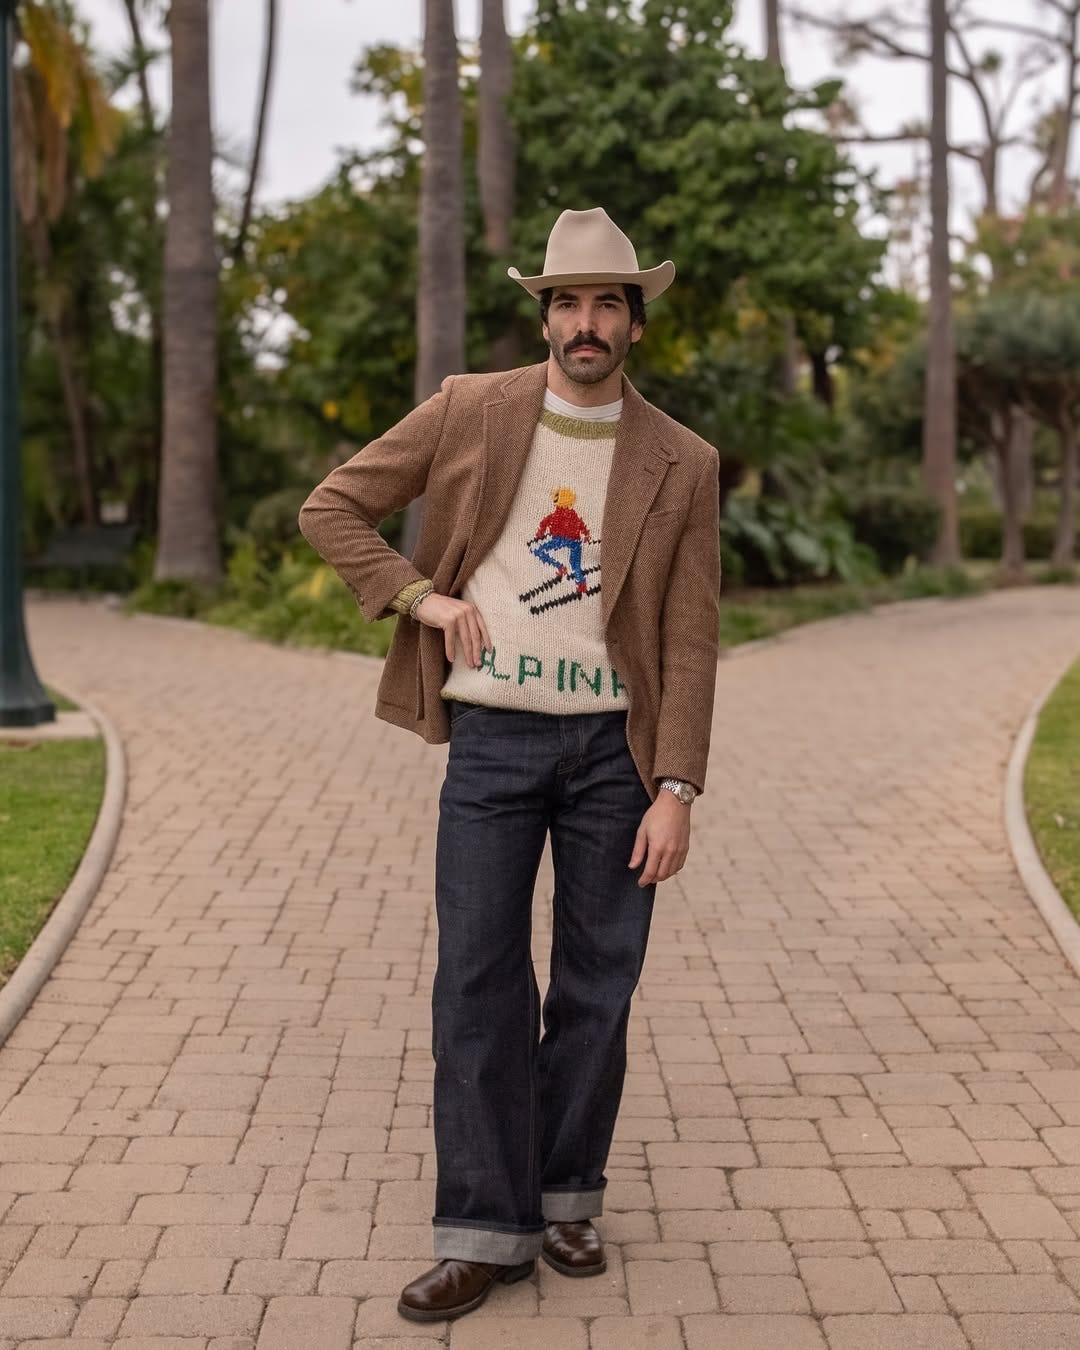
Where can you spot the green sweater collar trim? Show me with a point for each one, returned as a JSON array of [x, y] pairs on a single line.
[[578, 427]]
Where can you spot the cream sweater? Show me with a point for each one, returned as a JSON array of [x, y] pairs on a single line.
[[538, 589]]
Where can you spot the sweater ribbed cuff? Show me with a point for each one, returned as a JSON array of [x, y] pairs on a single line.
[[408, 595]]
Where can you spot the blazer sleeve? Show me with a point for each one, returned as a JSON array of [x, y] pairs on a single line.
[[340, 518], [689, 638]]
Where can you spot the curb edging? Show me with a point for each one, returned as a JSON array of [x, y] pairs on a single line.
[[1034, 877], [46, 949]]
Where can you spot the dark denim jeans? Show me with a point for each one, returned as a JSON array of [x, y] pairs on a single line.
[[523, 1125]]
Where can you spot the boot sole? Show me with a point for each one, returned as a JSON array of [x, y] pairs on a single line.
[[510, 1275], [575, 1272]]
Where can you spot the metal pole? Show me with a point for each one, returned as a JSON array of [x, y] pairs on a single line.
[[23, 701]]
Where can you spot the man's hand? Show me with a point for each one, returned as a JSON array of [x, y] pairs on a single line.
[[460, 622], [663, 839]]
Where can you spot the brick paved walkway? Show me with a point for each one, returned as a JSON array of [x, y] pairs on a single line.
[[853, 1114]]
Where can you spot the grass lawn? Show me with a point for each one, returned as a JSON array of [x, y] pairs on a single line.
[[49, 797], [1052, 787]]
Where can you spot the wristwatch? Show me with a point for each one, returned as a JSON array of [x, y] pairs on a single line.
[[686, 792]]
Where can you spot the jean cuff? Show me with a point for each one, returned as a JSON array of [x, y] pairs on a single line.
[[485, 1244], [572, 1206]]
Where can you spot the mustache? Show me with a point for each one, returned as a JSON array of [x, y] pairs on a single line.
[[585, 341]]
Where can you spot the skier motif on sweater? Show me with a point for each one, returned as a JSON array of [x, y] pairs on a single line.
[[563, 530]]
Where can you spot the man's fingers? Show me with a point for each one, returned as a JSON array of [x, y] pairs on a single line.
[[639, 847], [475, 636], [448, 638]]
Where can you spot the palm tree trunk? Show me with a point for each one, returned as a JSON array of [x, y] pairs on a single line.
[[939, 425], [495, 155], [440, 295], [188, 545], [260, 129], [146, 488], [1065, 538], [772, 32], [789, 358]]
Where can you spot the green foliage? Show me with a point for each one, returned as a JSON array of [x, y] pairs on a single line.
[[897, 522], [1052, 787], [780, 545], [50, 792], [297, 599], [981, 527]]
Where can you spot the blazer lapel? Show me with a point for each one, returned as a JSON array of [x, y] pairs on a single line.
[[638, 466], [509, 423]]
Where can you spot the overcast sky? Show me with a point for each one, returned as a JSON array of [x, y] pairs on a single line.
[[313, 111]]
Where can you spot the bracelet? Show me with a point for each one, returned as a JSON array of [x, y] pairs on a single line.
[[416, 602]]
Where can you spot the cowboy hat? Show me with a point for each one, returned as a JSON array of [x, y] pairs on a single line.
[[587, 246]]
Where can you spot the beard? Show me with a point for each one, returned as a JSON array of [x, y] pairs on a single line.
[[590, 369]]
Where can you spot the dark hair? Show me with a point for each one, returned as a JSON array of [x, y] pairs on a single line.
[[635, 299]]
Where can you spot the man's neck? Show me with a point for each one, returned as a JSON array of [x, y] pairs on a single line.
[[584, 395]]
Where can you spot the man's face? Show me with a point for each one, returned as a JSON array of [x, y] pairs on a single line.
[[589, 331]]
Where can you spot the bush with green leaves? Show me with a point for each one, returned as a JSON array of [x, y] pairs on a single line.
[[780, 544], [897, 522], [980, 533]]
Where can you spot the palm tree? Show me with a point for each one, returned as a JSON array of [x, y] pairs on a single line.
[[789, 374], [939, 425], [440, 296], [260, 129], [495, 154], [188, 545], [55, 93]]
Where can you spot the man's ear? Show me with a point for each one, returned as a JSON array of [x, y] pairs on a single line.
[[637, 332], [545, 330]]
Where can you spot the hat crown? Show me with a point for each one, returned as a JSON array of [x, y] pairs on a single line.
[[588, 241]]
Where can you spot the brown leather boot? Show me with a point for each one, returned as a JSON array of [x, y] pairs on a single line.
[[451, 1288], [574, 1248]]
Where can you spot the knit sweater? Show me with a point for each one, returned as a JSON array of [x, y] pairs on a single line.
[[538, 589]]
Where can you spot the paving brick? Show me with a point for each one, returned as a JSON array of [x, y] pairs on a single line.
[[760, 1331], [325, 1322], [191, 1315], [903, 1187], [788, 1188], [1022, 1216], [845, 1285], [675, 1287], [908, 1331], [1023, 1331]]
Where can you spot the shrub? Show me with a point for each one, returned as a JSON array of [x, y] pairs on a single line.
[[981, 528], [779, 544], [897, 522]]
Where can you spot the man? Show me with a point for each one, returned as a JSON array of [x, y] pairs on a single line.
[[576, 703]]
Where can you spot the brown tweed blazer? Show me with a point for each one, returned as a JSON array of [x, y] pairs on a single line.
[[464, 450]]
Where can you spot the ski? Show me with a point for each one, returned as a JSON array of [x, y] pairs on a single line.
[[564, 599], [554, 581]]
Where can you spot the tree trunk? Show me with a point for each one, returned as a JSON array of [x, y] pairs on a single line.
[[939, 426], [824, 388], [188, 544], [144, 505], [260, 129], [1012, 525], [495, 155], [440, 295], [1065, 539], [772, 32], [789, 352], [1058, 197]]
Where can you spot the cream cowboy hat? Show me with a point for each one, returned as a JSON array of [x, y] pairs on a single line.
[[587, 246]]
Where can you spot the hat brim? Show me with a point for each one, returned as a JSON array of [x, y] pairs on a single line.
[[653, 282]]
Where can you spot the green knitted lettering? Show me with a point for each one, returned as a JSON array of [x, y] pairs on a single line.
[[562, 674], [523, 672], [616, 684], [486, 664], [596, 684]]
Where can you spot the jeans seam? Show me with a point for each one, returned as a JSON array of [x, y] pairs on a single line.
[[557, 907]]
